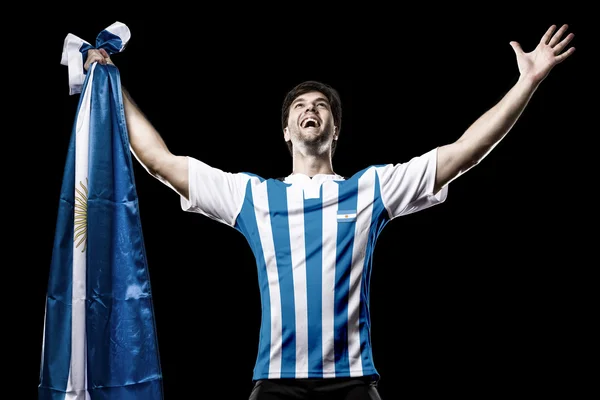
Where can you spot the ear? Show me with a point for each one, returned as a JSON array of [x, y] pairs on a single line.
[[286, 134], [335, 135]]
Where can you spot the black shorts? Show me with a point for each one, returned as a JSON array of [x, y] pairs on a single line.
[[315, 389]]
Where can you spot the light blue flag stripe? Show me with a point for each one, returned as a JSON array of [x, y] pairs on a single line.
[[347, 200], [99, 331], [379, 218], [247, 224], [313, 228], [281, 240]]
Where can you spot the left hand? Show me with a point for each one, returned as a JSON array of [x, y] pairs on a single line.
[[549, 52]]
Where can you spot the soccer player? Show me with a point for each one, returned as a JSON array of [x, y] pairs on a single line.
[[312, 232]]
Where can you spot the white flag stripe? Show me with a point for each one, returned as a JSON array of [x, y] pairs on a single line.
[[263, 221], [77, 383], [71, 57], [330, 197], [122, 31], [295, 198], [366, 192]]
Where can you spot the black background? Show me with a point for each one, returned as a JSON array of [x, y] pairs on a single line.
[[478, 297]]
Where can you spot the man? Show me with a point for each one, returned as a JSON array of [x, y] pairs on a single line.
[[313, 232]]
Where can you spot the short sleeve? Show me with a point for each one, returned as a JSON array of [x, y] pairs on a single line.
[[214, 193], [408, 187]]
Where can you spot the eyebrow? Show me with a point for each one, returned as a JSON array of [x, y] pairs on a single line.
[[300, 99]]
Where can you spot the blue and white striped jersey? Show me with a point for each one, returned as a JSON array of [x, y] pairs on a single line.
[[313, 241]]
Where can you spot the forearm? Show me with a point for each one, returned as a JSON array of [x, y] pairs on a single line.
[[489, 129], [146, 143], [484, 134]]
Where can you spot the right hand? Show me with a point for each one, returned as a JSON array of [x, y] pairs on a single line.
[[96, 55]]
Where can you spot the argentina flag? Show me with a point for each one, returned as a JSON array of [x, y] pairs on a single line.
[[99, 339]]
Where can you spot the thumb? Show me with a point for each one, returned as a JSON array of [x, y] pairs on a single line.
[[516, 47], [106, 56]]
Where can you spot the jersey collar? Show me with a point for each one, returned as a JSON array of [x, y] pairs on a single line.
[[318, 178]]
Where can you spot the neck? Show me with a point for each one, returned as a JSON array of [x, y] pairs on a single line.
[[312, 165]]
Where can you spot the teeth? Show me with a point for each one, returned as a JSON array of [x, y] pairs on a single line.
[[308, 120]]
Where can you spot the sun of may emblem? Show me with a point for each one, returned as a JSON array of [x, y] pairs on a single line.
[[80, 233]]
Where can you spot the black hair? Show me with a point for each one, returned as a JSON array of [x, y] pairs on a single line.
[[309, 86]]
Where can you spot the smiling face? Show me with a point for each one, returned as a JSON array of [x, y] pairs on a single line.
[[310, 123]]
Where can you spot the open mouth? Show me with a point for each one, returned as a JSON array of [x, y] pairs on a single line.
[[310, 123]]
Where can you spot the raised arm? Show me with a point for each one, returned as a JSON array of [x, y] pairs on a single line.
[[486, 132], [146, 143]]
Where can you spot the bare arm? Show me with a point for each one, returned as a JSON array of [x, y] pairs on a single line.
[[151, 151], [485, 133], [147, 145]]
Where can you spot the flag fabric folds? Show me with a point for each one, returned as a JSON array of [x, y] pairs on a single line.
[[99, 339]]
